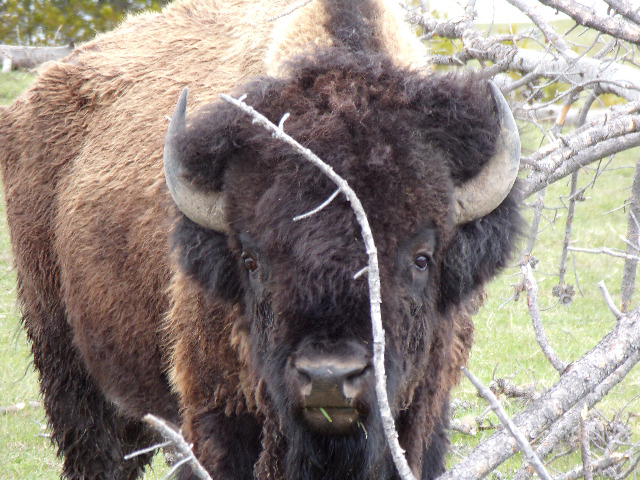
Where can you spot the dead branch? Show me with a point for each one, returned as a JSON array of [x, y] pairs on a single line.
[[606, 251], [506, 387], [585, 376], [184, 449], [31, 57], [531, 286], [618, 79], [318, 208], [585, 449], [531, 457], [616, 27], [466, 425], [19, 407], [596, 467], [373, 275], [633, 239], [569, 420], [608, 300], [625, 9]]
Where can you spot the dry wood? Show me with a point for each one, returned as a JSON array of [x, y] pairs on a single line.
[[31, 57], [529, 454], [181, 445], [633, 241], [531, 286], [619, 347]]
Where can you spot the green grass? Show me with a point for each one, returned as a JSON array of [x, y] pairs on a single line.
[[505, 344], [12, 84], [504, 341]]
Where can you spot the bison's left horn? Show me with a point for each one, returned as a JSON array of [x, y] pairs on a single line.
[[482, 194], [203, 208]]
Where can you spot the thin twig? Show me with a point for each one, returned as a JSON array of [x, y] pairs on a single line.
[[290, 10], [531, 457], [373, 275], [531, 286], [318, 208], [567, 229], [181, 445], [608, 300], [152, 448], [360, 272], [605, 251]]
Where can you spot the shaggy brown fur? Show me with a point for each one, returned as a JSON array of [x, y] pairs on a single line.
[[120, 326]]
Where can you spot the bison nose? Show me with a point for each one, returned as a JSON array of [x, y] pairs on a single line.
[[329, 386], [331, 381]]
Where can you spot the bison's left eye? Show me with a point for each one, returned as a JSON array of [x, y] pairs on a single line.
[[250, 263], [421, 262]]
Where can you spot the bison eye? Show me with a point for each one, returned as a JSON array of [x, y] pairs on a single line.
[[421, 262], [250, 263]]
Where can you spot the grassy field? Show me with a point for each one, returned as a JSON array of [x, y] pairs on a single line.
[[505, 344]]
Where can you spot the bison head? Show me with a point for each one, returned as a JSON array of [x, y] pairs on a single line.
[[427, 158]]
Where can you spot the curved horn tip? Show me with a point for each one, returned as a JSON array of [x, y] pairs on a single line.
[[180, 111], [502, 108], [486, 191], [204, 208]]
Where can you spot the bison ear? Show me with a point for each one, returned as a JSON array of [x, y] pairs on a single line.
[[480, 249], [205, 257]]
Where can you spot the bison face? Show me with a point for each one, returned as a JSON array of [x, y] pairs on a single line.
[[407, 145], [309, 318]]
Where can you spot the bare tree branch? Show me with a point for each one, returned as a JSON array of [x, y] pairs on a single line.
[[585, 450], [176, 438], [608, 300], [585, 375], [610, 77], [633, 240], [625, 9], [549, 32], [569, 420], [587, 16], [531, 286], [531, 457], [605, 251]]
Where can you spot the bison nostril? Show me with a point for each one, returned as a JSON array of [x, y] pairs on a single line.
[[330, 381], [355, 382]]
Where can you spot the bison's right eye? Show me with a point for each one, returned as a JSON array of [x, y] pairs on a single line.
[[250, 263]]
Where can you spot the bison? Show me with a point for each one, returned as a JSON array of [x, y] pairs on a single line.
[[170, 277]]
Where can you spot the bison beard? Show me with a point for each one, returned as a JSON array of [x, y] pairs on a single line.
[[319, 457]]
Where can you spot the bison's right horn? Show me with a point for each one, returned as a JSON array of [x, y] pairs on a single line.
[[204, 208]]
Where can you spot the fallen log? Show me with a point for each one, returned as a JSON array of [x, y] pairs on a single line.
[[30, 57]]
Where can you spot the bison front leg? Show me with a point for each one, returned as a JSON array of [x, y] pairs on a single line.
[[227, 446], [91, 436]]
